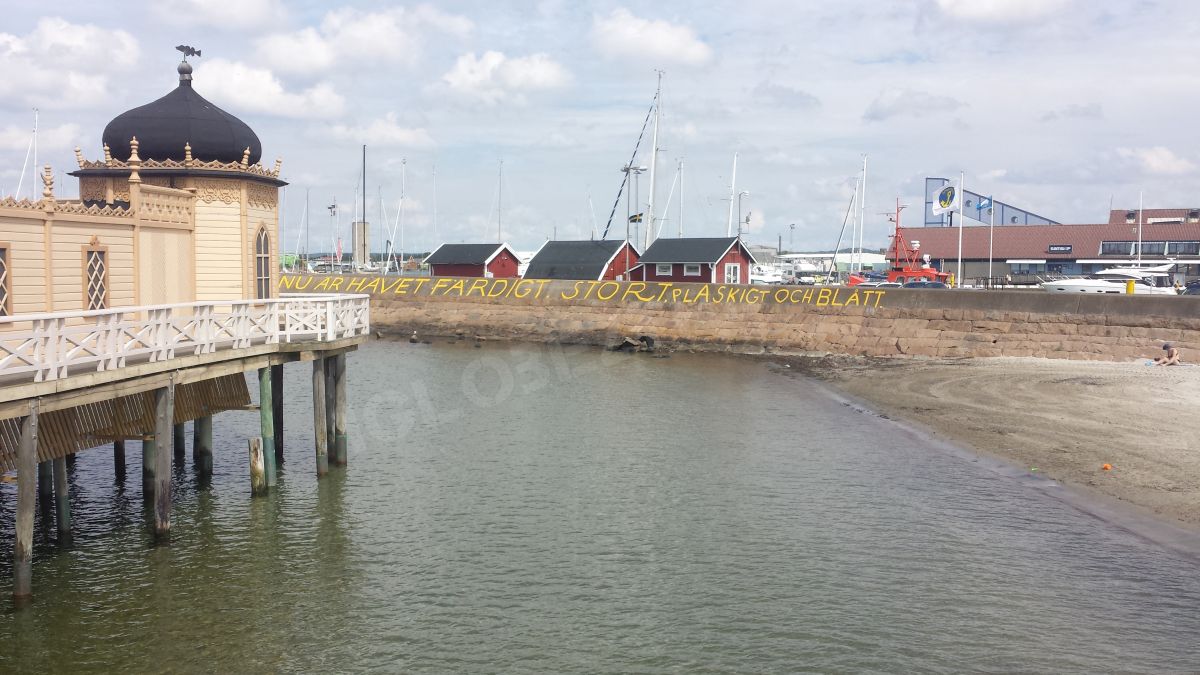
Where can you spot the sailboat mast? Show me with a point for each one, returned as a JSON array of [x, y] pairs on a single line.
[[1139, 255], [732, 187], [862, 218], [653, 161], [500, 203], [681, 199]]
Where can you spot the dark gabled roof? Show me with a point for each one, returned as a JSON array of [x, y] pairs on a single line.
[[573, 259], [689, 250], [463, 254]]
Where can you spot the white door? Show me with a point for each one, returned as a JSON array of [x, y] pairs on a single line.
[[733, 273]]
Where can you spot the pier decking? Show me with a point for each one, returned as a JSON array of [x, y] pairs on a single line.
[[70, 381]]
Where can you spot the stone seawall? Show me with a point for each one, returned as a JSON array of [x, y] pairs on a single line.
[[870, 322]]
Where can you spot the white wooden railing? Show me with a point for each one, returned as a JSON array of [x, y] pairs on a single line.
[[43, 347]]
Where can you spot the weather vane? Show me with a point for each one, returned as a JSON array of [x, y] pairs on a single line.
[[187, 50]]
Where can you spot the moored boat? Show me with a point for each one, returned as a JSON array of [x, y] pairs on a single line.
[[1158, 280]]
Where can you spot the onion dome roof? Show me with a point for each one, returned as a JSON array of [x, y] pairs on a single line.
[[180, 118]]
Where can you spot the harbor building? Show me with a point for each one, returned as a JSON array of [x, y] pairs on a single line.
[[708, 260], [589, 259], [494, 261], [139, 308]]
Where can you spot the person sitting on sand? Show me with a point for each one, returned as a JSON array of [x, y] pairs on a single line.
[[1170, 356]]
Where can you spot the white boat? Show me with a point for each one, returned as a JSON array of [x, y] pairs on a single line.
[[1157, 280], [762, 274]]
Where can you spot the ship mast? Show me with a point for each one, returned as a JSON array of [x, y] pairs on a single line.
[[653, 162]]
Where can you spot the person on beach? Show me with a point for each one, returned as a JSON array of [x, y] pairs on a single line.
[[1170, 356]]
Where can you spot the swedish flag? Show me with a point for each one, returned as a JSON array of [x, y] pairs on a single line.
[[635, 218]]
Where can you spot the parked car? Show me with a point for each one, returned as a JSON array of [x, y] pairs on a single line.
[[925, 284], [1192, 289]]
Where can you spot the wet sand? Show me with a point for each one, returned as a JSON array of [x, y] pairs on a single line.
[[1066, 419]]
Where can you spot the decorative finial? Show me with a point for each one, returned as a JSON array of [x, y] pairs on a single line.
[[187, 51], [185, 68], [278, 165], [107, 156], [135, 162], [47, 183], [79, 156], [187, 154], [246, 157]]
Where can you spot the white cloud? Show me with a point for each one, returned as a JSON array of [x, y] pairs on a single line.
[[62, 137], [383, 131], [64, 65], [1000, 11], [1157, 160], [1091, 111], [243, 87], [621, 35], [242, 15], [906, 102], [494, 77], [347, 35]]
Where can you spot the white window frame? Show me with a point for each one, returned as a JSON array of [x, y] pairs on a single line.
[[262, 263], [736, 277], [663, 269], [691, 269]]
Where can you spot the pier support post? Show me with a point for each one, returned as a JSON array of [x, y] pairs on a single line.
[[180, 442], [45, 484], [266, 416], [62, 502], [149, 452], [277, 410], [119, 460], [339, 424], [164, 411], [26, 472], [258, 470], [331, 407], [319, 418], [202, 444]]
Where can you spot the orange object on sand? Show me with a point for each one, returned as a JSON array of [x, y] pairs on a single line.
[[1107, 467]]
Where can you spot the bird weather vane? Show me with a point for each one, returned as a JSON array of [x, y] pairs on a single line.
[[187, 50]]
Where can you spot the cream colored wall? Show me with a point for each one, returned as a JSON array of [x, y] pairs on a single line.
[[219, 257], [68, 241], [165, 261], [26, 261]]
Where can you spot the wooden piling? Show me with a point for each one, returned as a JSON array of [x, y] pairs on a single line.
[[26, 495], [180, 442], [119, 460], [149, 452], [277, 410], [266, 408], [62, 502], [45, 484], [331, 406], [258, 470], [164, 409], [339, 377], [202, 444], [319, 416]]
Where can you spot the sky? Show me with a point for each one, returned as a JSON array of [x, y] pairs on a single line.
[[513, 119]]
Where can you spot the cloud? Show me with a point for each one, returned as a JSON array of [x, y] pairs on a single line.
[[1157, 160], [1000, 11], [785, 96], [621, 35], [13, 137], [244, 15], [251, 89], [494, 77], [347, 35], [906, 102], [64, 65], [383, 131], [1091, 111]]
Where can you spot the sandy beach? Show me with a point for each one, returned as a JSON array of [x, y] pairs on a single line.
[[1064, 418]]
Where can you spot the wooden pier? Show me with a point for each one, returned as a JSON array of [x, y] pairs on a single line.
[[71, 381]]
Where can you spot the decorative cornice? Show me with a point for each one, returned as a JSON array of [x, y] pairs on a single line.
[[225, 191]]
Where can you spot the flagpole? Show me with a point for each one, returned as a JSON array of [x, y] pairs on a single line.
[[991, 228], [958, 273]]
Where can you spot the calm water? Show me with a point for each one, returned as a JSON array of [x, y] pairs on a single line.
[[534, 509]]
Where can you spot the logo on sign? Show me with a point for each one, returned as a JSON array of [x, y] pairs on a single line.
[[1059, 248]]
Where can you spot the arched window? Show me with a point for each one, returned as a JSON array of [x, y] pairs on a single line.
[[262, 264]]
